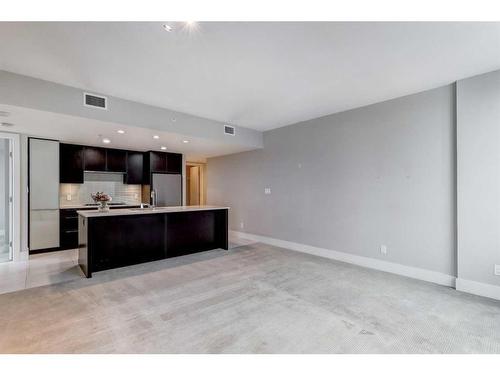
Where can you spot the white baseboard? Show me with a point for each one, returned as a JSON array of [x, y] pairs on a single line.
[[381, 265], [480, 289]]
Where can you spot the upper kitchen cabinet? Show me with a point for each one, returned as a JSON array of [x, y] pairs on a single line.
[[161, 162], [135, 163], [95, 159], [174, 163], [116, 160], [158, 162], [137, 166], [70, 164]]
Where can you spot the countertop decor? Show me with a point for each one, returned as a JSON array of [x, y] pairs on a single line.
[[102, 199]]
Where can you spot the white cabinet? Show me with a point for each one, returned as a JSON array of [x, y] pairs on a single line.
[[44, 194], [44, 229]]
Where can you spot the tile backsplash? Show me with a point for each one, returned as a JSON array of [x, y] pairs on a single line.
[[109, 183]]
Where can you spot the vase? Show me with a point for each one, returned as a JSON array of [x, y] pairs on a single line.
[[103, 207]]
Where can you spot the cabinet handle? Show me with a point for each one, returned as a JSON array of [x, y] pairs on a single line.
[[71, 231]]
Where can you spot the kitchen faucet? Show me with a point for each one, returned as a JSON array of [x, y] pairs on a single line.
[[153, 198]]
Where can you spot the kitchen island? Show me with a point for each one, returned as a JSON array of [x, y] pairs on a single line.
[[123, 237]]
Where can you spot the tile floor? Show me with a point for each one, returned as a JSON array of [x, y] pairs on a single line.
[[39, 270]]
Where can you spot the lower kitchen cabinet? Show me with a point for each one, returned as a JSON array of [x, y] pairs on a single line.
[[124, 239], [68, 229], [119, 241], [68, 226]]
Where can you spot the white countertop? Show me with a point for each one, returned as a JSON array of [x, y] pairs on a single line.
[[81, 206], [157, 210]]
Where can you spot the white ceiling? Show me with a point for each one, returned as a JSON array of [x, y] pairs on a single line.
[[85, 131], [257, 75]]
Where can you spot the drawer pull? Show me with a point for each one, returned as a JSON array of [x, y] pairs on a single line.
[[71, 231]]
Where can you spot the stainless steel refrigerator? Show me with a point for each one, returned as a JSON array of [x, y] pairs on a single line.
[[168, 188]]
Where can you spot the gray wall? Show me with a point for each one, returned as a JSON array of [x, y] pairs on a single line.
[[478, 144], [382, 174]]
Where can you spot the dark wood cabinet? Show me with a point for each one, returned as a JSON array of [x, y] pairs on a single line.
[[126, 240], [99, 159], [174, 163], [158, 162], [68, 229], [95, 159], [161, 162], [137, 166], [70, 164], [107, 242], [135, 163], [116, 160], [68, 226]]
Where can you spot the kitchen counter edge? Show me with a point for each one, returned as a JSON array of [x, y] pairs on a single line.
[[159, 210]]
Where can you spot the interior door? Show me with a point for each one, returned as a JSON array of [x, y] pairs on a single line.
[[193, 184]]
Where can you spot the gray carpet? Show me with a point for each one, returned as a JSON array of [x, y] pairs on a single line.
[[252, 299]]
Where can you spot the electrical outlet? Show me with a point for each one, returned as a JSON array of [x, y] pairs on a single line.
[[267, 191], [242, 225], [383, 249], [136, 196], [497, 269], [68, 197]]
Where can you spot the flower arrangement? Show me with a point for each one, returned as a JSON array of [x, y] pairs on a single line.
[[101, 198]]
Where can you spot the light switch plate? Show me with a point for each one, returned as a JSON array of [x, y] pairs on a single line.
[[383, 249], [267, 191], [497, 269], [68, 197]]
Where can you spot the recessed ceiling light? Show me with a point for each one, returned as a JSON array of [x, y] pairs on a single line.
[[6, 124], [120, 131], [106, 140], [156, 136], [185, 141], [4, 113], [163, 148], [167, 27]]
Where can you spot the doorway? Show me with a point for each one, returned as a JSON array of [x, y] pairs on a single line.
[[195, 184], [6, 188]]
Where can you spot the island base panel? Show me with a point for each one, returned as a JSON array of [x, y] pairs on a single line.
[[116, 241]]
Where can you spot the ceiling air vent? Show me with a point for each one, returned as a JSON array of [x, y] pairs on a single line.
[[95, 101], [229, 130]]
